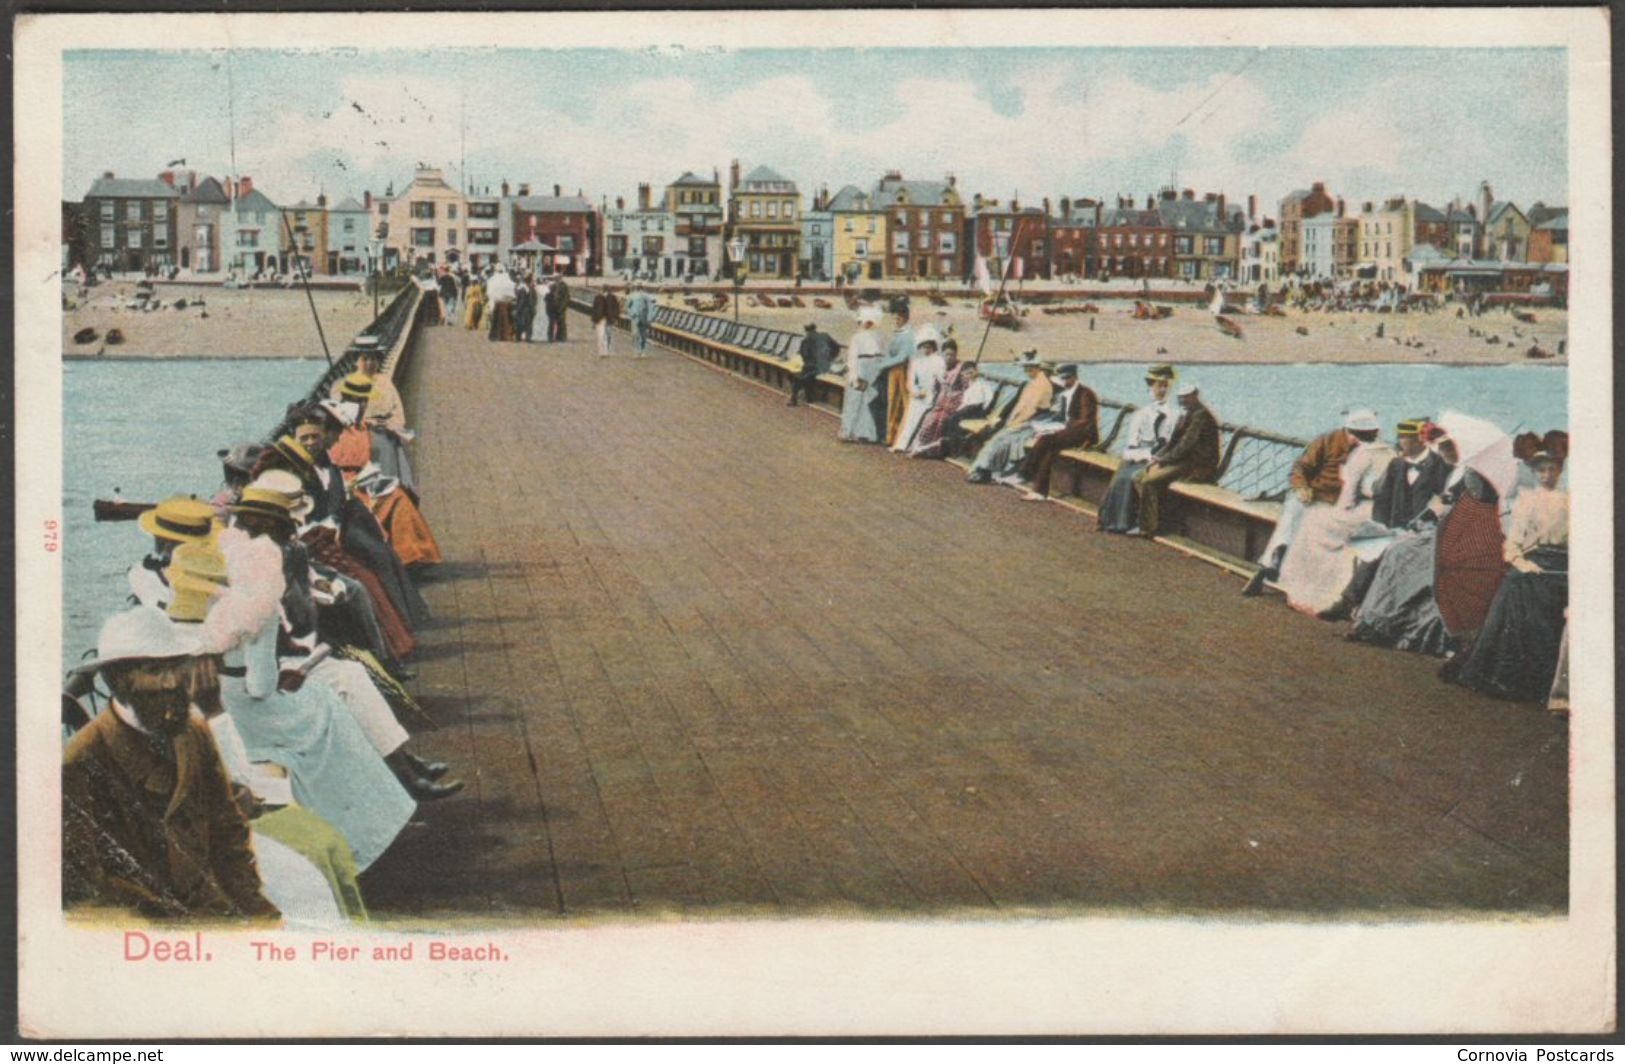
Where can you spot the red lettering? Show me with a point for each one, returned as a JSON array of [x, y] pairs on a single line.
[[133, 938]]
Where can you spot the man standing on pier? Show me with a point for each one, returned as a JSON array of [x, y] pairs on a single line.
[[640, 312], [817, 353], [558, 306], [605, 310]]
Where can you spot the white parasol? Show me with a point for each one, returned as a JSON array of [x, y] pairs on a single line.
[[1482, 447]]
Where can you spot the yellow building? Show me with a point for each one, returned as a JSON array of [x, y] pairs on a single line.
[[764, 210], [427, 221], [859, 247], [307, 224]]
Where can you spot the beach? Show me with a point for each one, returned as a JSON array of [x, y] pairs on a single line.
[[230, 322], [1190, 334]]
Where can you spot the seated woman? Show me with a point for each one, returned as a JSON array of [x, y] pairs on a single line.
[[385, 418], [1516, 652], [1399, 610], [956, 378], [396, 510], [1320, 563]]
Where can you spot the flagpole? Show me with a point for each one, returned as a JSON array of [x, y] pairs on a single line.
[[1009, 260]]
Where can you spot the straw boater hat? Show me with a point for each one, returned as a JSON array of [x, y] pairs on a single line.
[[356, 386], [179, 518], [264, 502], [290, 485], [197, 573], [1411, 426], [141, 633], [295, 452], [1029, 360], [1162, 372], [1069, 370], [1189, 388]]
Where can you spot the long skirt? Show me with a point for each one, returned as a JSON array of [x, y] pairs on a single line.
[[405, 529], [326, 550], [1001, 454], [1320, 563], [1120, 507], [390, 455], [502, 322], [335, 770], [1399, 611], [896, 401], [862, 410], [473, 311], [928, 440], [353, 619], [319, 843], [293, 884], [365, 539], [1515, 654], [915, 412]]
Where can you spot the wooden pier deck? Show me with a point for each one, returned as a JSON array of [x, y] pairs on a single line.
[[692, 655]]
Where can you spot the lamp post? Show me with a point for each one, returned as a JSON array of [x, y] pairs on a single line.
[[736, 249]]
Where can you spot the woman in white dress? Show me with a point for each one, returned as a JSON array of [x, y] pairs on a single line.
[[1318, 568], [926, 371]]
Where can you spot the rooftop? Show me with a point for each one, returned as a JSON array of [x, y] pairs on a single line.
[[132, 188], [765, 175], [915, 193], [553, 204], [207, 191]]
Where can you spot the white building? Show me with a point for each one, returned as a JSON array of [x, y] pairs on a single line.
[[1261, 256], [1317, 259]]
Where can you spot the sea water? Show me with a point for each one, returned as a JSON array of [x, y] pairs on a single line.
[[150, 429]]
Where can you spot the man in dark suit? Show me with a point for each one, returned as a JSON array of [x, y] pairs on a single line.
[[558, 307], [1191, 453], [1412, 479], [1078, 409], [818, 351]]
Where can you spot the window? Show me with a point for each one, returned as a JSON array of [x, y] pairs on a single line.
[[248, 238], [848, 226], [567, 243], [900, 262], [902, 217], [616, 223], [107, 210], [947, 242], [422, 209], [423, 238], [1117, 240], [899, 241], [108, 231], [617, 246], [773, 209], [947, 218], [755, 208], [451, 211], [132, 211], [349, 225], [871, 226], [1134, 240], [696, 247], [383, 209], [815, 230], [789, 211], [1183, 245], [451, 237], [860, 248], [1213, 245], [160, 236]]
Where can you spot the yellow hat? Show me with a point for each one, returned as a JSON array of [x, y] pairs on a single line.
[[296, 453], [197, 573], [265, 503], [180, 518], [356, 386]]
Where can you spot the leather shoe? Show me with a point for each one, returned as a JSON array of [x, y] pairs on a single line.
[[429, 769], [424, 790], [1255, 586]]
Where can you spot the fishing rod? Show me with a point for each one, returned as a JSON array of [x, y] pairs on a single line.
[[304, 275], [1009, 260]]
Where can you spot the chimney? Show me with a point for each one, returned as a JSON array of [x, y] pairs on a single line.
[[1046, 205], [1318, 186], [504, 188], [976, 201], [524, 188], [107, 175], [643, 196], [716, 178], [953, 182], [1252, 207], [1341, 207], [1223, 217], [321, 200], [1066, 207], [245, 186], [892, 175], [1210, 198], [1150, 202], [168, 178], [557, 191], [620, 203], [366, 199], [1365, 208], [1189, 194], [733, 175]]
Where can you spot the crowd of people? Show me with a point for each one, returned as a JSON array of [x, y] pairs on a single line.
[[504, 302], [234, 747], [1364, 529]]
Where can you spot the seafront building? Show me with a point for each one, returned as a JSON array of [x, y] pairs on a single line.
[[1013, 240], [130, 223], [697, 211], [251, 237], [348, 235], [423, 223], [1134, 243], [818, 240], [303, 236], [569, 227], [1385, 239], [1206, 234], [1074, 238], [199, 226], [1299, 206], [764, 212], [641, 241], [859, 236], [925, 221]]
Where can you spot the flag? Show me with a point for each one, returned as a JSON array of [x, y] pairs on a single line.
[[984, 281], [176, 162]]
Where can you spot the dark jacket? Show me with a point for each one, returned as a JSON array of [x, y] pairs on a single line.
[[1320, 468], [818, 351], [1397, 501], [161, 835], [605, 307], [1194, 445], [1081, 413]]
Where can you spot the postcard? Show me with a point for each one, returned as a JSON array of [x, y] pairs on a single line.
[[815, 523]]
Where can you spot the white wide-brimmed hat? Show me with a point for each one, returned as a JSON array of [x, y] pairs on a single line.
[[141, 633], [868, 314], [927, 334], [344, 412], [1361, 420], [1188, 388]]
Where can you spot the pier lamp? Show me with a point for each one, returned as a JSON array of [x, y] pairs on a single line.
[[736, 248]]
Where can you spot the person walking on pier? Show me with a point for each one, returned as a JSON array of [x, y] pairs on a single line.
[[448, 296], [1191, 454], [863, 404], [640, 312], [817, 354], [558, 307], [1148, 428], [605, 310]]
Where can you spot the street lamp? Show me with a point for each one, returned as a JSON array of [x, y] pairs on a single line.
[[736, 249]]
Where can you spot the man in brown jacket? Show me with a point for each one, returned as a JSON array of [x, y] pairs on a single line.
[[1191, 453], [1316, 478], [1079, 413], [149, 820]]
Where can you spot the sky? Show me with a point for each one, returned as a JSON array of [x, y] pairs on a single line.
[[1033, 122]]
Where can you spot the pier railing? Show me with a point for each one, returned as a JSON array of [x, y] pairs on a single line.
[[389, 333], [1226, 522]]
